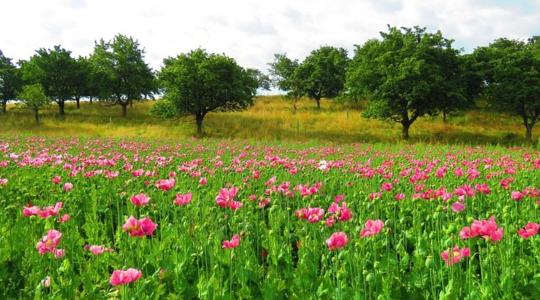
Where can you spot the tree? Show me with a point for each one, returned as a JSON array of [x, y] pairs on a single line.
[[404, 75], [33, 97], [322, 73], [120, 69], [82, 80], [197, 83], [55, 70], [10, 81], [283, 71], [512, 77]]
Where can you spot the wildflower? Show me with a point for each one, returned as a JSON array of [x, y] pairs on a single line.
[[140, 199], [46, 282], [56, 179], [49, 242], [165, 184], [203, 181], [122, 277], [399, 197], [531, 229], [455, 255], [97, 249], [183, 199], [68, 186], [337, 241], [457, 206], [225, 198], [487, 229], [313, 215], [138, 228], [371, 228], [517, 195], [232, 243], [64, 218]]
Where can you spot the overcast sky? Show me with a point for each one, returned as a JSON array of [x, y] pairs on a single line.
[[252, 31]]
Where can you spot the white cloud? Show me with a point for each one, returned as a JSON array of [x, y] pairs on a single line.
[[252, 31]]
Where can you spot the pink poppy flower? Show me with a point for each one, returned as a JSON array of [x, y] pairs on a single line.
[[487, 229], [97, 249], [68, 186], [139, 228], [64, 218], [232, 243], [203, 181], [123, 277], [371, 228], [46, 282], [337, 241], [165, 184], [49, 242], [399, 197], [531, 229], [56, 179], [29, 211], [313, 215], [3, 181], [455, 255], [458, 207], [225, 198], [517, 196], [183, 199], [140, 199]]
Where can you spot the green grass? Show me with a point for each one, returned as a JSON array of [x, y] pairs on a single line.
[[271, 118]]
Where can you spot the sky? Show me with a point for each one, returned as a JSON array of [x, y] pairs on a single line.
[[252, 31]]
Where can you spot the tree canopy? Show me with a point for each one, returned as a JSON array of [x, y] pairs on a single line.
[[512, 79], [197, 83], [33, 97], [55, 70], [10, 81], [121, 71], [405, 75]]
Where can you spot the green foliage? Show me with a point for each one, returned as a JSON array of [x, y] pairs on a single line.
[[10, 81], [121, 71], [322, 73], [164, 109], [511, 70], [197, 83], [33, 97], [407, 74]]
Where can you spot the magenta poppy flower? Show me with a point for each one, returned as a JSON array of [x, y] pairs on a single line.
[[488, 229], [49, 242], [140, 199], [165, 184], [123, 277], [455, 255], [68, 186], [457, 207], [232, 243], [531, 229], [183, 199], [517, 196], [97, 249], [139, 228], [225, 198], [371, 228], [337, 240]]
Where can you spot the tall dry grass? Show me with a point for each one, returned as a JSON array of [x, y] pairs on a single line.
[[271, 118]]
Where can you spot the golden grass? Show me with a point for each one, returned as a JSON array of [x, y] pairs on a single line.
[[271, 118]]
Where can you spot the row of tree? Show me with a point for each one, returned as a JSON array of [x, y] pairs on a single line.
[[409, 73], [406, 74]]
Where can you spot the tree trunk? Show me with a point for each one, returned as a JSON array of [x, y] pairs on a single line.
[[4, 106], [91, 98], [36, 115], [318, 103], [61, 105], [199, 120], [131, 103], [405, 130], [528, 133], [78, 100], [124, 108], [444, 117]]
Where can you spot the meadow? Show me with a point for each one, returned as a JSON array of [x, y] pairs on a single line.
[[272, 118], [96, 218]]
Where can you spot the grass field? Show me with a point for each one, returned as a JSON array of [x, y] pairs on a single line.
[[271, 118]]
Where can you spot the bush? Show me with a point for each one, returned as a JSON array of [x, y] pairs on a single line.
[[163, 109]]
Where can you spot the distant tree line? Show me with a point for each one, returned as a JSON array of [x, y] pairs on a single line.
[[404, 75]]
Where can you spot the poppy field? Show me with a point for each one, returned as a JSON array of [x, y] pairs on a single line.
[[209, 219]]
